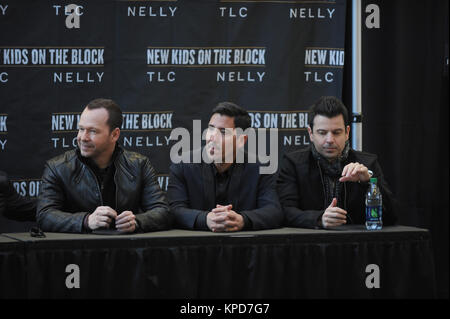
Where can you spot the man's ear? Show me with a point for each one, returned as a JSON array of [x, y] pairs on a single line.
[[241, 140], [310, 133], [347, 132], [115, 134]]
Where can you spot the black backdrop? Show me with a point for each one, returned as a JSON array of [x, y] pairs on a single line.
[[405, 108], [405, 89], [44, 86]]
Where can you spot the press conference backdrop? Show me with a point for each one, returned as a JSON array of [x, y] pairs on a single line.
[[165, 63]]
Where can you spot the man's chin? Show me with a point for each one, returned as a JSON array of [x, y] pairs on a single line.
[[214, 159], [330, 156], [85, 154]]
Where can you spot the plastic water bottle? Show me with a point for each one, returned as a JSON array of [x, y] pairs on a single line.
[[373, 206]]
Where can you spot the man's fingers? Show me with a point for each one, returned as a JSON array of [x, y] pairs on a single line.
[[106, 211], [331, 222], [125, 221], [333, 202], [353, 169], [229, 206], [126, 228], [102, 218], [125, 217], [344, 171], [357, 169], [125, 225], [348, 169], [221, 208], [218, 228], [336, 210], [336, 216], [100, 224], [219, 218]]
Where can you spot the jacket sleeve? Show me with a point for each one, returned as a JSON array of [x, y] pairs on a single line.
[[268, 213], [184, 216], [155, 215], [50, 215], [14, 206], [288, 190]]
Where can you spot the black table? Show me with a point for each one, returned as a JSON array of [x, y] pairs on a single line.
[[12, 267], [279, 263]]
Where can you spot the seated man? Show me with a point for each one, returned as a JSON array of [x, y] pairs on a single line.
[[324, 185], [223, 195], [100, 185], [12, 205]]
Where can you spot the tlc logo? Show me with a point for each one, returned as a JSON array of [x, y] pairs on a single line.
[[73, 13]]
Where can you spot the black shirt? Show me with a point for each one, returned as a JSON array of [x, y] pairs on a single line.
[[222, 184], [105, 180]]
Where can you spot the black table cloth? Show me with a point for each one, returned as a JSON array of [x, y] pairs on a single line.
[[279, 263]]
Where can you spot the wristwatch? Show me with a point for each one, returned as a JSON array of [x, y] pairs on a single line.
[[370, 173]]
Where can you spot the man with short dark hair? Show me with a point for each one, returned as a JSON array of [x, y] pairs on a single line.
[[324, 185], [100, 185], [221, 194]]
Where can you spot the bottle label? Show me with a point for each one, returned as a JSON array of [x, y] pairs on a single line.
[[373, 213]]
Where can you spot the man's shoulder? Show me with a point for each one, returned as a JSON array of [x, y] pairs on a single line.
[[134, 161], [133, 156], [363, 157], [188, 160], [63, 159], [298, 156]]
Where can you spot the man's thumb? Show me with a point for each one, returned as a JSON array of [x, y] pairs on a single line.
[[333, 202]]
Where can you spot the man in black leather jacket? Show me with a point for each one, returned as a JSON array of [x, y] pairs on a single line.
[[324, 185], [99, 185], [12, 205]]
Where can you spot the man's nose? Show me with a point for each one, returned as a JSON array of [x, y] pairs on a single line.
[[329, 138], [212, 134], [84, 136], [209, 136]]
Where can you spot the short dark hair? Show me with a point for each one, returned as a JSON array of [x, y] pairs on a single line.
[[114, 111], [329, 106], [241, 116]]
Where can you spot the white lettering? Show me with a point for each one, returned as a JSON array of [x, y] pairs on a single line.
[[161, 76], [3, 9], [3, 77], [150, 11], [77, 77], [238, 76], [3, 143]]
